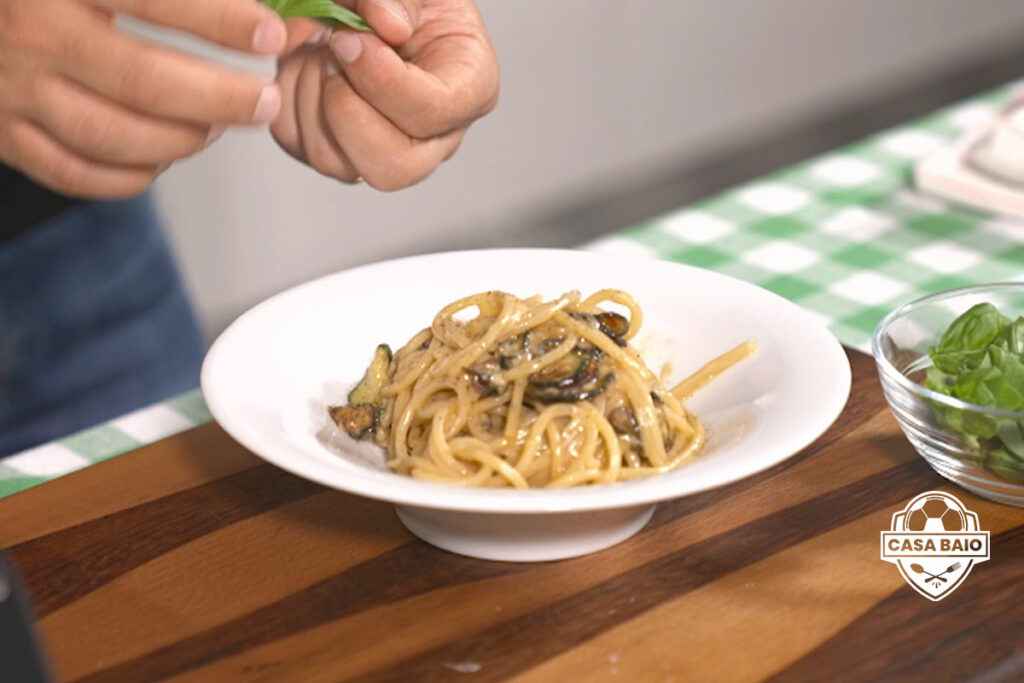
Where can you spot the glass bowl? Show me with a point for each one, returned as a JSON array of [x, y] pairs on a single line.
[[900, 347]]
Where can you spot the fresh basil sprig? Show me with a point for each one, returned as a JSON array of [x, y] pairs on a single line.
[[980, 360], [324, 10]]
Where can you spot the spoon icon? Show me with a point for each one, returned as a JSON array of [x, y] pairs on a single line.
[[937, 577]]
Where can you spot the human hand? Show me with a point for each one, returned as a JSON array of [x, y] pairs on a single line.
[[91, 112], [386, 107]]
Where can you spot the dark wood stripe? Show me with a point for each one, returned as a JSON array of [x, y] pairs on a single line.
[[66, 565], [422, 567], [979, 628], [526, 641], [523, 643]]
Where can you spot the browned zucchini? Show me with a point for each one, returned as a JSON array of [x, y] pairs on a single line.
[[572, 379], [367, 392], [485, 376], [577, 393], [623, 420], [613, 325], [358, 421], [579, 367], [514, 350], [595, 389]]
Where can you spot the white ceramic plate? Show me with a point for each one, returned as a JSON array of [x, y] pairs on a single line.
[[270, 375]]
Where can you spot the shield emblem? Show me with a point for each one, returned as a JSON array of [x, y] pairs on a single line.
[[935, 541]]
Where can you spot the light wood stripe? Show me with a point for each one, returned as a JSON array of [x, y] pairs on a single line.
[[739, 621]]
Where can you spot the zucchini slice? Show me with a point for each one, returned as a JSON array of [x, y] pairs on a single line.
[[572, 379], [614, 326], [358, 421], [367, 392]]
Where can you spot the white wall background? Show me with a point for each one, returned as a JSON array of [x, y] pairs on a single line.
[[593, 91]]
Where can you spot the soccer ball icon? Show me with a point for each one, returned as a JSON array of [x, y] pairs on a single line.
[[933, 514]]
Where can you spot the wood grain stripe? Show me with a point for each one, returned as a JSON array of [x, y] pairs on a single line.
[[759, 619], [257, 561], [65, 565], [977, 628], [748, 622], [184, 461], [516, 645], [421, 567]]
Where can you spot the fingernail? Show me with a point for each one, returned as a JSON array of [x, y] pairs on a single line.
[[213, 135], [320, 37], [330, 68], [270, 36], [397, 10], [268, 105], [347, 46]]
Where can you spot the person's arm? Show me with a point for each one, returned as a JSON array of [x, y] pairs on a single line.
[[386, 107], [89, 111]]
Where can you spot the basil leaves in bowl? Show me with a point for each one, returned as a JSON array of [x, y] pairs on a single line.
[[952, 370]]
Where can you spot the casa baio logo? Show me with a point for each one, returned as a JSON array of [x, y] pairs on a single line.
[[935, 541]]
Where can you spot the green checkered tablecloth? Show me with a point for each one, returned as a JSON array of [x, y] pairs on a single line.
[[148, 425], [843, 235]]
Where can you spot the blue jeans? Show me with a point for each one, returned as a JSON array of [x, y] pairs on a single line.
[[93, 322]]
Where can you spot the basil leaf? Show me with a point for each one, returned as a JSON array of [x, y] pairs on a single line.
[[939, 381], [949, 417], [1004, 465], [1015, 337], [1012, 437], [980, 360], [962, 347], [1006, 382], [1012, 366], [318, 9], [979, 424], [1006, 396], [969, 387]]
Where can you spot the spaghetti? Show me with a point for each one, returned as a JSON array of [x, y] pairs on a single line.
[[527, 393]]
